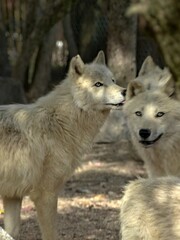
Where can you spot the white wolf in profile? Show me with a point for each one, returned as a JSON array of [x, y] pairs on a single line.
[[150, 210], [42, 143]]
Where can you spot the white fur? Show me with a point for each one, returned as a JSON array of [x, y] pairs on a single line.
[[148, 95], [42, 143], [162, 157], [153, 77], [150, 210]]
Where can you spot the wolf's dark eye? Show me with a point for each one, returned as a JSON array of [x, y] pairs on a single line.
[[160, 114], [98, 84], [113, 80], [138, 113]]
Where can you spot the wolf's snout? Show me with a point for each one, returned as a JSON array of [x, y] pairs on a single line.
[[123, 92], [144, 133]]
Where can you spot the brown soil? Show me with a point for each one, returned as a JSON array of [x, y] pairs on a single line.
[[88, 207]]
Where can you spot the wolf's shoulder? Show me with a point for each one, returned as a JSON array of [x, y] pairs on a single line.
[[14, 116]]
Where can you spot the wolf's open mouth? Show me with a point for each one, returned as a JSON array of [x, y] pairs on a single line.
[[117, 104], [147, 143]]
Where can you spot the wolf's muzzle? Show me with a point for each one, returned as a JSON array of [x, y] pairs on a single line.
[[144, 133], [148, 143], [123, 92]]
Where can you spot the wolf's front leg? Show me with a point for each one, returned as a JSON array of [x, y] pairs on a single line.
[[12, 209], [46, 206]]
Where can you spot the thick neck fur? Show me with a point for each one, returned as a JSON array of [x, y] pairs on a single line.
[[61, 101], [73, 122]]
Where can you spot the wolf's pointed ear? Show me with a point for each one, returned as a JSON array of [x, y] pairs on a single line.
[[100, 59], [76, 65], [167, 83], [133, 89], [147, 66]]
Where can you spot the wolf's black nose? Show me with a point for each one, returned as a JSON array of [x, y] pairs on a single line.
[[124, 92], [144, 133]]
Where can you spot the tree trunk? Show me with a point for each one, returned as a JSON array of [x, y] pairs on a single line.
[[11, 91], [121, 55], [146, 46], [5, 68], [41, 72], [52, 12], [162, 17], [69, 35], [121, 46]]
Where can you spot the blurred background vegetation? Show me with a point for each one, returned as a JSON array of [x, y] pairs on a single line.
[[39, 37]]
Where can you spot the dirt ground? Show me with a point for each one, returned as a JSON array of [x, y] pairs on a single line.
[[88, 207]]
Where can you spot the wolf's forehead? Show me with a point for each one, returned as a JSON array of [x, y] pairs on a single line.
[[150, 109], [100, 72]]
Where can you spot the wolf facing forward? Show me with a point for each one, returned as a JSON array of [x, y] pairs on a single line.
[[154, 124], [42, 143], [153, 116]]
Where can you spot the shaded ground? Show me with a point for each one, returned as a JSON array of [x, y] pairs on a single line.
[[88, 207]]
